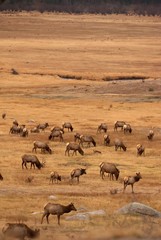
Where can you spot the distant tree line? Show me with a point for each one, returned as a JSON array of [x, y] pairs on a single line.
[[141, 7]]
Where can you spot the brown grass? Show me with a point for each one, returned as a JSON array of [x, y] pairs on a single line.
[[56, 64]]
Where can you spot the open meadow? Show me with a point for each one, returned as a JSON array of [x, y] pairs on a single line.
[[87, 70]]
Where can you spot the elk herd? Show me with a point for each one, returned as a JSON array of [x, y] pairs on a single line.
[[78, 145]]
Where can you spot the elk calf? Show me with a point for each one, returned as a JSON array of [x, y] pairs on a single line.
[[130, 180]]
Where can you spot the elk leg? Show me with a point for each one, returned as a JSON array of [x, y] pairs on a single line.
[[47, 217], [132, 188], [58, 219], [44, 214]]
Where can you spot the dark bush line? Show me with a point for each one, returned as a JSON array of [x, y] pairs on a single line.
[[130, 7]]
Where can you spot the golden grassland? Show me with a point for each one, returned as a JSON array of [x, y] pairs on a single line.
[[66, 65]]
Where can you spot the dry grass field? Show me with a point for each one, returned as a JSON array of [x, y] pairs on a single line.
[[84, 69]]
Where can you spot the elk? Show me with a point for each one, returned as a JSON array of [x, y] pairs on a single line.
[[19, 231], [76, 173], [130, 180], [109, 168], [57, 129], [88, 140], [15, 122], [77, 137], [35, 130], [56, 209], [54, 176], [1, 177], [33, 160], [24, 132], [15, 129], [74, 147], [119, 124], [42, 126], [150, 135], [102, 127], [127, 128], [56, 134], [67, 125], [43, 146], [3, 115], [119, 144], [106, 140], [140, 150]]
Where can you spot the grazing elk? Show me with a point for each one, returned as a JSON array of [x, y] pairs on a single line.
[[119, 144], [15, 129], [130, 180], [56, 134], [88, 140], [140, 150], [106, 140], [127, 128], [43, 146], [74, 147], [119, 124], [102, 127], [68, 125], [54, 176], [76, 173], [33, 160], [42, 126], [109, 168], [19, 231], [150, 135], [57, 129], [56, 209]]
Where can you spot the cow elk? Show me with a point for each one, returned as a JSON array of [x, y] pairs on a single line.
[[88, 140], [33, 160], [43, 146], [102, 127], [56, 209], [76, 173], [75, 147], [67, 125], [109, 168], [119, 124], [119, 144]]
